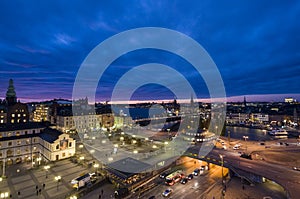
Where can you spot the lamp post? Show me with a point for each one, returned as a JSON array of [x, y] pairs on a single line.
[[166, 143], [223, 180], [96, 166], [73, 197], [46, 169], [80, 147], [58, 179], [245, 138], [39, 161]]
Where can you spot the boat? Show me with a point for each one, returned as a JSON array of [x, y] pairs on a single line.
[[278, 132]]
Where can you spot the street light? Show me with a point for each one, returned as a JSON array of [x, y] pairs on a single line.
[[166, 143], [57, 178], [80, 147], [73, 197], [96, 167], [39, 160], [246, 137], [223, 180], [46, 169]]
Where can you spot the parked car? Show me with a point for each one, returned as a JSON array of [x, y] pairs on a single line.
[[184, 180], [296, 168], [190, 176], [163, 175], [196, 172], [167, 192]]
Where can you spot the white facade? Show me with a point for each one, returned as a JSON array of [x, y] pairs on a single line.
[[34, 144]]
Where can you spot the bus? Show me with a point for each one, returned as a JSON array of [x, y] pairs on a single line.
[[174, 177]]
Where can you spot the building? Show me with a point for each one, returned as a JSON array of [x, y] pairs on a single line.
[[259, 118], [40, 114], [17, 112], [34, 143], [121, 121], [289, 100]]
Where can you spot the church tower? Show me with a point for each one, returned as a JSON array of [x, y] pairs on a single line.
[[11, 97]]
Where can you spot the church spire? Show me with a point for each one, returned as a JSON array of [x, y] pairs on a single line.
[[11, 97]]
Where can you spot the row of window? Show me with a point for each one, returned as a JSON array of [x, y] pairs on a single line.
[[18, 142], [17, 133], [10, 152], [19, 115]]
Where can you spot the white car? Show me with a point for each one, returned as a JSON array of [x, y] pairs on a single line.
[[167, 192], [235, 147]]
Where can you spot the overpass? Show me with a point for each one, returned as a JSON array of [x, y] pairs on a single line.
[[253, 171]]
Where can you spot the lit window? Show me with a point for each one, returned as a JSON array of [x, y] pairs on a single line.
[[24, 115], [13, 115], [12, 121], [9, 143], [24, 120], [19, 115], [2, 121], [8, 134], [18, 142]]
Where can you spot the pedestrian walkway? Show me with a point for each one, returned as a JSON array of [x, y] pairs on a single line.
[[36, 183], [236, 190]]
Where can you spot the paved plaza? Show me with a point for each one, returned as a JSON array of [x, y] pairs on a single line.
[[22, 182]]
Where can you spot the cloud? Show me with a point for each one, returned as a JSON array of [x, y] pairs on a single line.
[[254, 44]]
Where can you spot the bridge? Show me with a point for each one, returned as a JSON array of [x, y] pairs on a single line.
[[253, 171]]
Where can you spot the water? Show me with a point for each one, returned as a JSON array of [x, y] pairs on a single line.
[[136, 113], [253, 134]]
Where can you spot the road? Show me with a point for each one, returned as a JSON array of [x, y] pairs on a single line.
[[281, 174], [194, 188]]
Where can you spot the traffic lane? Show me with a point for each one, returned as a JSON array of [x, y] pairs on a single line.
[[204, 181], [280, 174]]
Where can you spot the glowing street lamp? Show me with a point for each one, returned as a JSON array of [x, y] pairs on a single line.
[[166, 143], [47, 167], [245, 138], [96, 166], [58, 179], [39, 160], [73, 197], [80, 147], [223, 180]]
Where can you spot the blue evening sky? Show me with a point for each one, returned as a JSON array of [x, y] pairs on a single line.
[[255, 44]]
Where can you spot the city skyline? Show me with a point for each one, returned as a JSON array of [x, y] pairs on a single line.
[[43, 45]]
